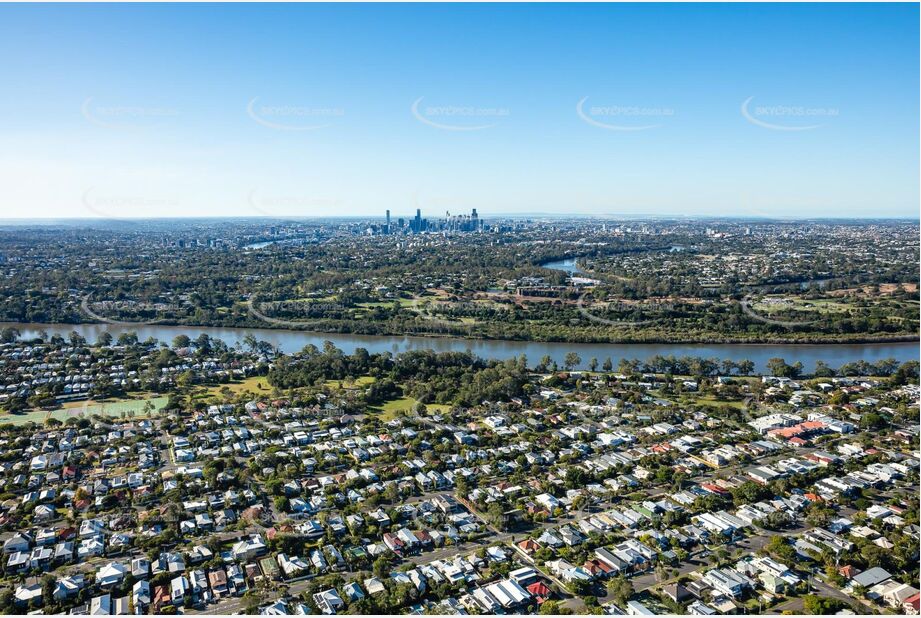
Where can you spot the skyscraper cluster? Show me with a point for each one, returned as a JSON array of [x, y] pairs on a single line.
[[417, 225]]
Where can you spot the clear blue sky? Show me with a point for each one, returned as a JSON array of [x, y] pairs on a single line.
[[144, 110]]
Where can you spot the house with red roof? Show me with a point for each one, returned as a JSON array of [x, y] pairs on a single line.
[[598, 568], [528, 546], [161, 597], [67, 533], [541, 592], [849, 571], [911, 605], [713, 489]]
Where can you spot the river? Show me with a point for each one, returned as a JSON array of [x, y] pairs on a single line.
[[293, 341], [569, 266]]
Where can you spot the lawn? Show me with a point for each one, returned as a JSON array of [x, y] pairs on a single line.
[[360, 382], [35, 416], [87, 408], [824, 306], [253, 384], [403, 302], [691, 398], [259, 385], [713, 401], [111, 408], [389, 410]]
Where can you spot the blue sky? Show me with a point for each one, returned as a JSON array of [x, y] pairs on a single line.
[[788, 110]]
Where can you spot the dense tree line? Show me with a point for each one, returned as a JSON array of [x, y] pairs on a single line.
[[430, 377]]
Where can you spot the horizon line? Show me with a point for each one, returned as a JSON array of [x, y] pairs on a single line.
[[503, 215]]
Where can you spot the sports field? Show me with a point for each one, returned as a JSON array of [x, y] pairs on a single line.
[[86, 409]]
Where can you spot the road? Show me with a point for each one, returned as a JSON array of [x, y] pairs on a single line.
[[641, 582]]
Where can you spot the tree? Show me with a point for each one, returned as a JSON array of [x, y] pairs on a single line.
[[822, 606], [104, 339], [779, 547], [181, 341], [203, 343], [822, 370], [9, 334], [776, 520], [48, 582], [620, 589], [833, 576], [127, 339], [873, 420], [778, 367], [6, 601], [402, 595], [593, 364], [571, 360], [906, 372], [496, 515], [392, 493], [607, 365], [749, 492], [462, 485], [745, 367], [381, 567], [275, 487], [628, 367], [576, 478], [553, 608], [719, 556], [874, 555], [781, 369], [581, 587], [818, 514]]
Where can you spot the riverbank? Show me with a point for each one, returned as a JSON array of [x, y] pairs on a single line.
[[289, 341], [628, 335]]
